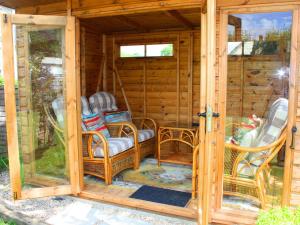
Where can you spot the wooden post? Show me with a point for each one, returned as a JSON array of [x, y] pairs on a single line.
[[114, 66], [145, 87], [10, 105], [209, 39], [178, 82], [82, 61], [78, 90], [190, 79], [104, 52], [69, 7]]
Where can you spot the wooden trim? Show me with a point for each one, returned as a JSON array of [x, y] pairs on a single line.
[[221, 106], [234, 216], [190, 78], [293, 92], [260, 8], [135, 203], [114, 64], [78, 98], [210, 41], [39, 20], [10, 105], [83, 61], [69, 7], [46, 191], [104, 52], [71, 100], [132, 8], [178, 80]]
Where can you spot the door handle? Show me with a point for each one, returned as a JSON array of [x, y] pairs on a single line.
[[204, 114], [294, 131]]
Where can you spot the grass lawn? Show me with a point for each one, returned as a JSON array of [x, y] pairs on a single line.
[[2, 222]]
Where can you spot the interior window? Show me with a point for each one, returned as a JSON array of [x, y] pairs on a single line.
[[159, 50], [132, 51]]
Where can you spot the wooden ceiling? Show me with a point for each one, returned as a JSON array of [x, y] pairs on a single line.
[[146, 22], [24, 3]]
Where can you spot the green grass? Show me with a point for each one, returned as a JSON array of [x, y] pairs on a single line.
[[3, 222], [279, 216]]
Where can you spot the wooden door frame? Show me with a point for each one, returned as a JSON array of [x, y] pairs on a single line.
[[7, 22], [294, 64]]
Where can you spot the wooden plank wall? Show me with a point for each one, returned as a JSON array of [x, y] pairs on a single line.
[[91, 57], [253, 84], [151, 83]]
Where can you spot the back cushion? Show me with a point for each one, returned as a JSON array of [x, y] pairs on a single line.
[[93, 122], [59, 110], [85, 107], [103, 102]]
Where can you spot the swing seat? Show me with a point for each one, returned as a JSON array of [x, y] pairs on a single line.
[[105, 103]]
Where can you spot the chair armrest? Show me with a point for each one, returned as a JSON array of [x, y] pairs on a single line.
[[146, 123], [102, 140], [257, 149], [122, 130]]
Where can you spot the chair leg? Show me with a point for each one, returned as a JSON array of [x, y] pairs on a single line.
[[261, 195]]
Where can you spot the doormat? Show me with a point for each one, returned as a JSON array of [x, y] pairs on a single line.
[[162, 195]]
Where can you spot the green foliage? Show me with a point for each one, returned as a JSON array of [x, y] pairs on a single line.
[[3, 163], [279, 216], [2, 222], [167, 51], [1, 80]]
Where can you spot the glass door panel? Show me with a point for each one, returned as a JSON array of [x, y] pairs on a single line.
[[39, 55], [258, 59], [40, 93]]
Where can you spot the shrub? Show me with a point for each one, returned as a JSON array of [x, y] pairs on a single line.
[[2, 222], [279, 216]]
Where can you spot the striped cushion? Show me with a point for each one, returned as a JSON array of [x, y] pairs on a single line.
[[117, 117], [93, 122], [144, 135], [85, 110], [103, 102], [59, 111], [115, 146]]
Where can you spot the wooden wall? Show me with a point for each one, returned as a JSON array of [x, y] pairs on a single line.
[[253, 84], [163, 88], [91, 55]]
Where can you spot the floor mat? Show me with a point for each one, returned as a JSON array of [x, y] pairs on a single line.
[[162, 195]]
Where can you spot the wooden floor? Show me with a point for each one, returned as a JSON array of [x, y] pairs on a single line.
[[120, 195]]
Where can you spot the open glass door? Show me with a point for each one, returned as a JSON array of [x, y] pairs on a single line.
[[40, 104]]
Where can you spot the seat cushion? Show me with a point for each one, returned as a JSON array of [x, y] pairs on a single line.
[[115, 117], [115, 146], [103, 102], [246, 170], [144, 135]]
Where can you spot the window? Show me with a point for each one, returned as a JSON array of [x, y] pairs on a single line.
[[132, 51], [151, 50]]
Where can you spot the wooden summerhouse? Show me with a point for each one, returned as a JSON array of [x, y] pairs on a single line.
[[196, 98]]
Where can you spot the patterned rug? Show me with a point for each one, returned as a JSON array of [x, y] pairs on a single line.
[[169, 176]]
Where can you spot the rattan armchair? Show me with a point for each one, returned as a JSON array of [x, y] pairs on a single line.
[[241, 177], [108, 166], [105, 102]]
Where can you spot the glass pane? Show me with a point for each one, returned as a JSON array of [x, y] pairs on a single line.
[[159, 50], [257, 108], [41, 112], [132, 51]]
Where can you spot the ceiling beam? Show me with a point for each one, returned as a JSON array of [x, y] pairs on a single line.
[[185, 22], [132, 23]]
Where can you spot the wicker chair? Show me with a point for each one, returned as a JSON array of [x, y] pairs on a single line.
[[147, 129], [246, 170], [108, 156]]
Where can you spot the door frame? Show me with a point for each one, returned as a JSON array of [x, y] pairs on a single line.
[[294, 74], [7, 22]]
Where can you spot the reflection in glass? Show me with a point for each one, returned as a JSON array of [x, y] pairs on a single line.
[[257, 109], [40, 81]]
